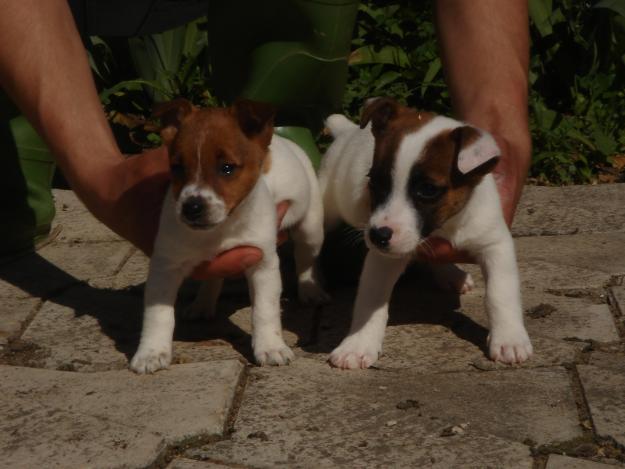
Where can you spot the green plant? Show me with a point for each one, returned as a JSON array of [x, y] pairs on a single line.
[[577, 82], [395, 55], [162, 66], [577, 77]]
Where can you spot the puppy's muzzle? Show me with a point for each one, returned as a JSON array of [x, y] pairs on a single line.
[[381, 236], [193, 210]]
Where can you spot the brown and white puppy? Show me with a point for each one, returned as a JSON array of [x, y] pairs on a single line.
[[401, 177], [228, 173]]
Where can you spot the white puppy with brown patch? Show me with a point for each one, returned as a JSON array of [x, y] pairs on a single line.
[[401, 177], [228, 173]]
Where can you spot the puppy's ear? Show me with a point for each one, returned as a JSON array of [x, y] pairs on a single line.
[[255, 119], [477, 151], [378, 111], [171, 114]]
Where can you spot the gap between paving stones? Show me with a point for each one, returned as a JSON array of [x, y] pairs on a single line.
[[178, 450], [575, 383], [617, 309], [590, 444]]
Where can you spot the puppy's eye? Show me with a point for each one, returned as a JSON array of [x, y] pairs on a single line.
[[427, 191], [227, 169], [177, 170]]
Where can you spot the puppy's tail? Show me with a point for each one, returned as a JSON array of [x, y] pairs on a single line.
[[338, 124]]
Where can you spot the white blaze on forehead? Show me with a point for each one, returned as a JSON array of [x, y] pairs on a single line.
[[411, 148], [198, 169], [398, 212]]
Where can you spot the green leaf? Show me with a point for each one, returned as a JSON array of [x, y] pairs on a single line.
[[387, 78], [386, 55], [545, 117], [431, 73], [605, 143], [131, 85], [577, 135], [540, 13]]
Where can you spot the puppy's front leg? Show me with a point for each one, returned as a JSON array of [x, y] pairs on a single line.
[[154, 352], [265, 287], [363, 345], [508, 341]]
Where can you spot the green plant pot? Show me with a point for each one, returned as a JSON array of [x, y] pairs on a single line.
[[26, 172], [292, 53]]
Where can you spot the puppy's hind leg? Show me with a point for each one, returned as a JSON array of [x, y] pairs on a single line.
[[307, 240], [451, 278], [205, 303]]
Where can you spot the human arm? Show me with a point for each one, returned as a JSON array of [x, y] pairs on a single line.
[[485, 52], [44, 69]]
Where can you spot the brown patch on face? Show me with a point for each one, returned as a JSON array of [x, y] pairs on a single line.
[[211, 150], [436, 187], [390, 123]]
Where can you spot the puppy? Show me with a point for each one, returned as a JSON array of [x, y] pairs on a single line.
[[228, 172], [401, 177]]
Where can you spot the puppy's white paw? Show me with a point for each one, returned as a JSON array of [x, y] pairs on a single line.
[[451, 278], [356, 351], [510, 346], [149, 359], [310, 293], [272, 352]]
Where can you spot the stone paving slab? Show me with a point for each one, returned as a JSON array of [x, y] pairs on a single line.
[[60, 265], [548, 211], [87, 329], [618, 294], [14, 313], [76, 222], [34, 435], [90, 329], [563, 317], [594, 252], [604, 391], [133, 272], [609, 361], [183, 402], [617, 297], [430, 331], [458, 408], [324, 416], [557, 461], [184, 463], [555, 316]]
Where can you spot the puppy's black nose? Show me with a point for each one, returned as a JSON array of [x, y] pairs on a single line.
[[192, 208], [380, 236]]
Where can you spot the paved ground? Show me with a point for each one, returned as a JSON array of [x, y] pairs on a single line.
[[70, 318]]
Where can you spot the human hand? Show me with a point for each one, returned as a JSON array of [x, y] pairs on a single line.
[[142, 182], [485, 54]]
